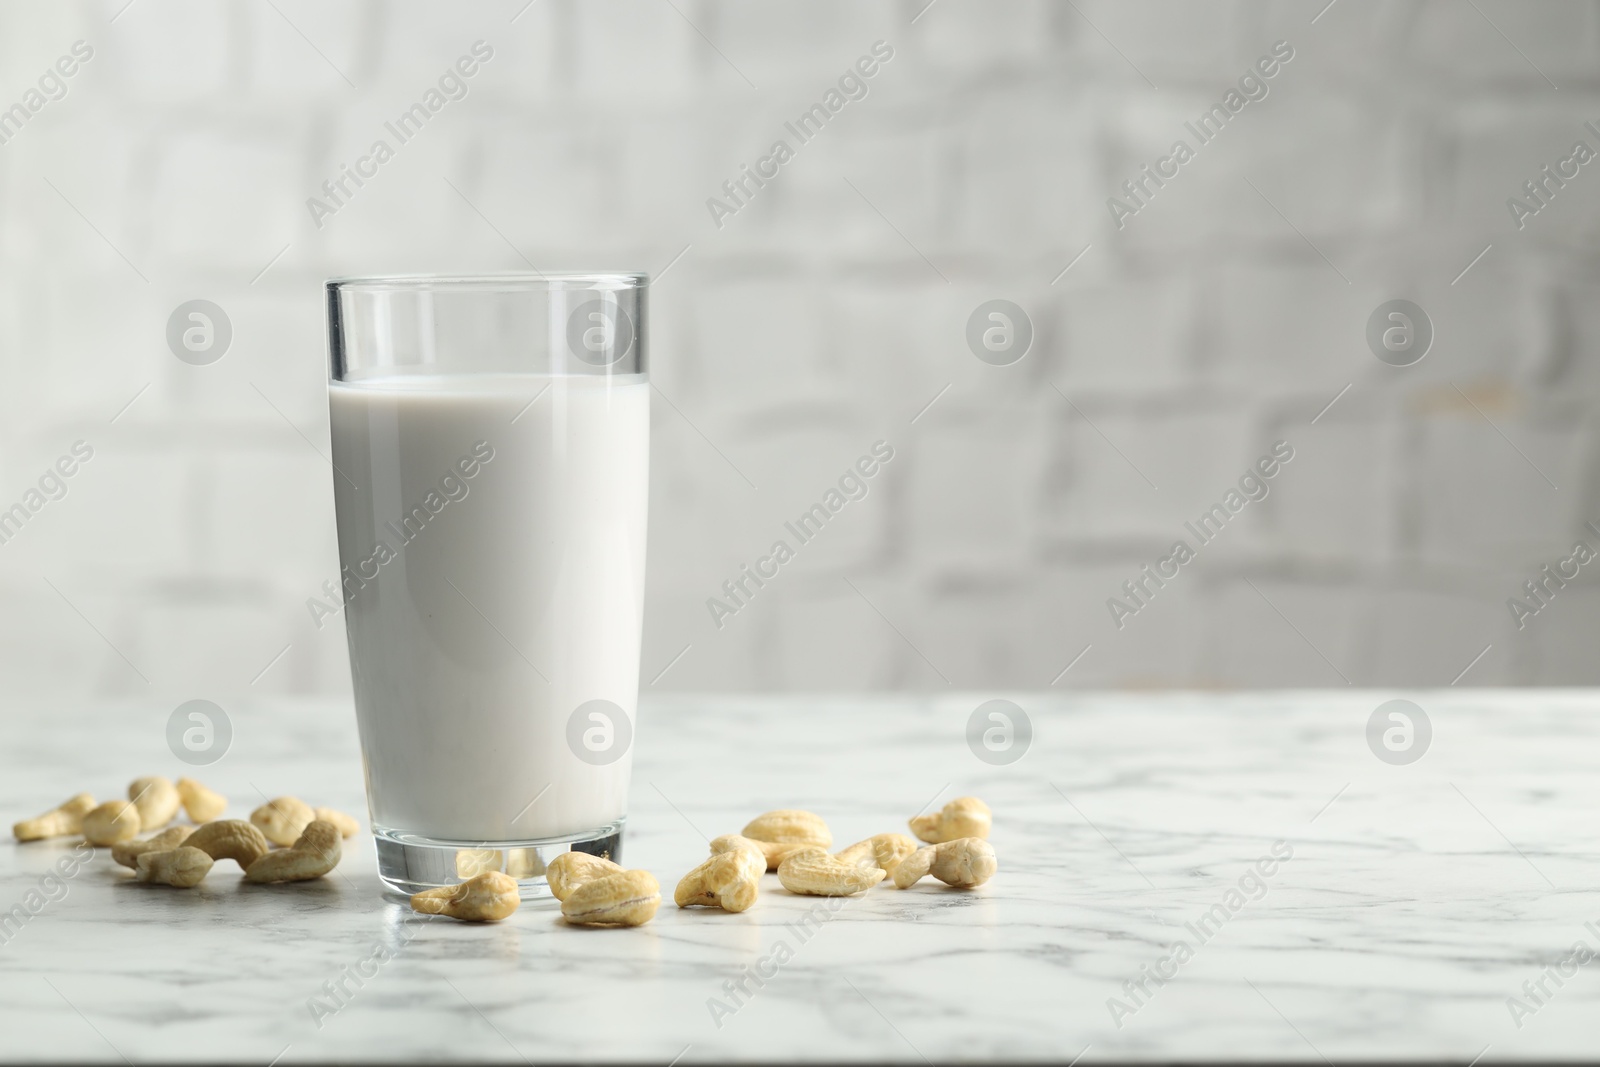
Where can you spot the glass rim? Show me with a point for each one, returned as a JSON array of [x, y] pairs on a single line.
[[506, 282]]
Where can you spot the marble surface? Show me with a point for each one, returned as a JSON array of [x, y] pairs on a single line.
[[1417, 900]]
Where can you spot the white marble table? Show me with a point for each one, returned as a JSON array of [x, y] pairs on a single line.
[[1417, 900]]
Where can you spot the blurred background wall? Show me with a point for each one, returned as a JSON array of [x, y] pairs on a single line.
[[830, 312]]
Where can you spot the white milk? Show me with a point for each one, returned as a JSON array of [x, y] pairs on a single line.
[[526, 557]]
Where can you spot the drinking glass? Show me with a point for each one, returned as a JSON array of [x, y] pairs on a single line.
[[491, 468]]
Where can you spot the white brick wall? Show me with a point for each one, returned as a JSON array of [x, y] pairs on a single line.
[[810, 325]]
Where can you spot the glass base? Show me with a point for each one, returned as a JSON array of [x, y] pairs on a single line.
[[409, 863]]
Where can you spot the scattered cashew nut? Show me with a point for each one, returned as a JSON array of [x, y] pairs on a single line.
[[524, 863], [486, 897], [962, 817], [516, 862], [202, 805], [471, 862], [230, 839], [127, 853], [314, 854], [113, 821], [883, 851], [729, 880], [157, 801], [283, 820], [65, 818], [964, 863], [782, 833], [347, 825], [570, 870], [732, 842], [183, 867], [626, 898], [817, 873]]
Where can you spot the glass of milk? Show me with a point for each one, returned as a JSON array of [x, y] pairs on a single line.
[[491, 468]]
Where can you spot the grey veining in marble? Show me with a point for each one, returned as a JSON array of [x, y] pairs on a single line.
[[1417, 900]]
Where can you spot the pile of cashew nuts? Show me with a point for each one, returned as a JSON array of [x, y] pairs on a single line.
[[287, 840], [307, 839]]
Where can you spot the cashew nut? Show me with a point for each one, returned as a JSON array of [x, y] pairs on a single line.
[[157, 801], [815, 872], [626, 898], [486, 897], [964, 863], [347, 825], [729, 880], [65, 818], [127, 853], [732, 842], [782, 833], [516, 862], [570, 870], [113, 821], [883, 851], [230, 839], [199, 803], [962, 817], [471, 862], [524, 863], [183, 867], [313, 855], [283, 820]]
